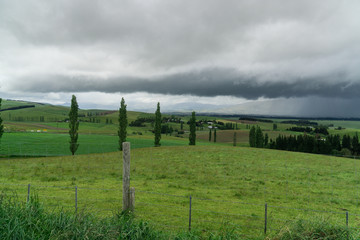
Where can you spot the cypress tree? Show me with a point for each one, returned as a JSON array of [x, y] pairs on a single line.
[[210, 135], [234, 139], [214, 135], [73, 125], [1, 125], [346, 142], [355, 144], [157, 129], [192, 136], [252, 137], [266, 139], [122, 123], [259, 138]]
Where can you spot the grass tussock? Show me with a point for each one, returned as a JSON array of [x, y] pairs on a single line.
[[317, 228], [31, 221]]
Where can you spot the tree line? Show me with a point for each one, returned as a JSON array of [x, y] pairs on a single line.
[[331, 144], [320, 130]]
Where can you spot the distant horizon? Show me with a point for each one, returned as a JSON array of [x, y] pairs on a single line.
[[202, 113]]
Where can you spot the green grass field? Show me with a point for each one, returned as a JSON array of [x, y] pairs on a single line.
[[229, 185], [50, 144]]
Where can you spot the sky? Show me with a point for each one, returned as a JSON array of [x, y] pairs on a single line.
[[275, 57]]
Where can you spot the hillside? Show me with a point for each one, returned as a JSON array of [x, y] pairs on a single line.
[[52, 113], [229, 185]]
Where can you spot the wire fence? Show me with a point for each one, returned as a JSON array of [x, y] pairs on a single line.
[[178, 212]]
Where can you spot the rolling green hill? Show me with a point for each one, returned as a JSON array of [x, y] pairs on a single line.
[[54, 113], [229, 186]]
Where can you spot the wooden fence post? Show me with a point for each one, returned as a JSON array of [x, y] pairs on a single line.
[[76, 198], [265, 229], [132, 199], [126, 175], [190, 214], [28, 194]]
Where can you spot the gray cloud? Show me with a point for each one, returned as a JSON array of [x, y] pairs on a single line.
[[243, 48], [206, 83], [302, 107], [169, 34]]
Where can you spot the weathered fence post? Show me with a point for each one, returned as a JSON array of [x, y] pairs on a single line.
[[265, 229], [132, 199], [76, 198], [347, 218], [126, 175], [28, 195], [190, 215]]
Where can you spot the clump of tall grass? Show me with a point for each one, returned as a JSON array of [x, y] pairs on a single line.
[[316, 228], [30, 220]]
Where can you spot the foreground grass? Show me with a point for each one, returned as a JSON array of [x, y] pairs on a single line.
[[316, 228], [32, 221], [229, 186]]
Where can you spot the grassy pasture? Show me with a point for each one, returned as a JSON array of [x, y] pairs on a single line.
[[229, 185], [49, 144]]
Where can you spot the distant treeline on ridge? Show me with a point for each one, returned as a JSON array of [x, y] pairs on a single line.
[[17, 108]]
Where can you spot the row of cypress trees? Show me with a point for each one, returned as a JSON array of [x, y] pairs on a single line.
[[157, 127], [123, 122]]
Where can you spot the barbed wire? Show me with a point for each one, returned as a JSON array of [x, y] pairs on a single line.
[[223, 213], [168, 195], [175, 218], [163, 194], [161, 205], [225, 201]]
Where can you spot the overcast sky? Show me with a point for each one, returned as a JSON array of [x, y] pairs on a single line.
[[238, 56]]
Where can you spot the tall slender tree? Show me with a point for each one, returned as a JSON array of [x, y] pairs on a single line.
[[355, 144], [234, 139], [73, 125], [123, 122], [252, 137], [1, 125], [346, 142], [266, 139], [192, 136], [210, 135], [157, 129], [214, 135], [259, 138]]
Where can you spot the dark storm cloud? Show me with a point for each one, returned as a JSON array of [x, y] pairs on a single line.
[[206, 83]]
